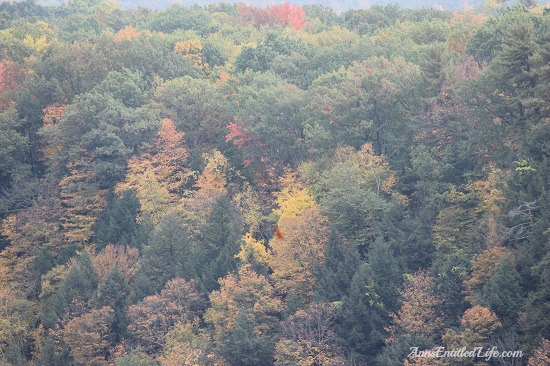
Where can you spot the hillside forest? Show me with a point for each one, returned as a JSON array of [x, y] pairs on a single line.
[[283, 185]]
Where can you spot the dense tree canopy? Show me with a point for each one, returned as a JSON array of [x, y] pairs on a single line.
[[281, 184]]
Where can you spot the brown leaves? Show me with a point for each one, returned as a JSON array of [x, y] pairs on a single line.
[[87, 336], [541, 357], [152, 318], [12, 76], [125, 258], [307, 338], [419, 315]]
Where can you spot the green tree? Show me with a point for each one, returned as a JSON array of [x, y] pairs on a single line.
[[114, 293], [118, 223]]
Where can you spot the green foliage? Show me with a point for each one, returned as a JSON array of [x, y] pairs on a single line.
[[80, 282], [114, 293], [146, 152], [167, 252], [12, 148], [373, 295], [121, 212]]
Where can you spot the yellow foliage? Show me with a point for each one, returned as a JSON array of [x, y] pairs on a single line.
[[293, 198], [210, 185], [299, 250], [187, 344], [52, 280], [83, 202], [249, 205], [153, 195], [212, 179], [40, 45], [191, 49], [159, 175], [253, 251]]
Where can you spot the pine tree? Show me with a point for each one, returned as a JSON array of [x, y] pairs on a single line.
[[114, 294], [118, 223], [80, 282]]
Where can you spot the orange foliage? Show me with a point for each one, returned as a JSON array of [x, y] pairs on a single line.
[[126, 33], [224, 76], [483, 267], [480, 320], [53, 113], [278, 233], [419, 313]]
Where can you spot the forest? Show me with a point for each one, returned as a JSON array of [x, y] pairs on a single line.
[[236, 185]]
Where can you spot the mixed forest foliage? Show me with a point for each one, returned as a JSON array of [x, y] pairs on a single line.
[[281, 185]]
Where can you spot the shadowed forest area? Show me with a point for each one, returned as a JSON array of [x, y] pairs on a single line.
[[280, 185]]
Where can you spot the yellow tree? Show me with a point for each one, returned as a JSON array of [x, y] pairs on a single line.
[[192, 50], [211, 185], [299, 246], [160, 174], [187, 344], [82, 200], [376, 170]]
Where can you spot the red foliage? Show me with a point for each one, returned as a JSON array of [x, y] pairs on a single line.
[[293, 15], [237, 135], [285, 14]]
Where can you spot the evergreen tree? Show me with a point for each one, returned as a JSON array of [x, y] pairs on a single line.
[[118, 224], [502, 292], [373, 295], [80, 282], [114, 293], [219, 243], [167, 252]]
